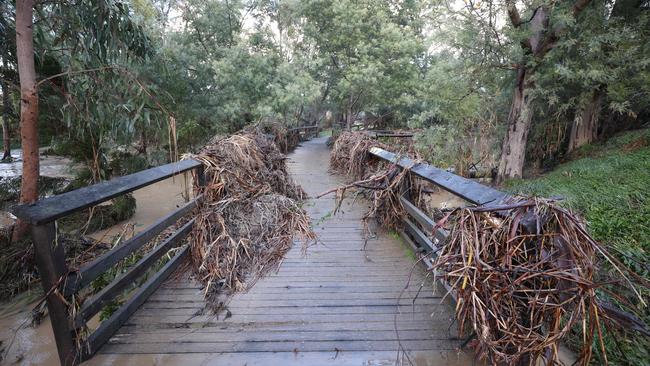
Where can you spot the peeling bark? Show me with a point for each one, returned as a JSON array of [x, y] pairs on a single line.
[[519, 121], [584, 129]]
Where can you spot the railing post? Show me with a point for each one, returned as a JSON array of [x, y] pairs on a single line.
[[50, 259], [200, 175]]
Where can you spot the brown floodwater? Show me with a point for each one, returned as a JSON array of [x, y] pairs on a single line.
[[24, 344]]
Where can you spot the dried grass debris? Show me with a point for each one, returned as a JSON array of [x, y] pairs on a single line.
[[524, 276], [249, 214], [349, 154]]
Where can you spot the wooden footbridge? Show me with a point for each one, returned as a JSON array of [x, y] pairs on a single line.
[[343, 303]]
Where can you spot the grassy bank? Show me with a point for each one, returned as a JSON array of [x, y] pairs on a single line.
[[609, 185]]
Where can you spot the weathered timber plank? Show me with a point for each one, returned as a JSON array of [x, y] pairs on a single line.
[[332, 346], [191, 337], [235, 327], [290, 310], [320, 318], [99, 265], [465, 188], [95, 303], [58, 206], [324, 302]]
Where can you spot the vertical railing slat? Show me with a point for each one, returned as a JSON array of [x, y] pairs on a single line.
[[50, 259]]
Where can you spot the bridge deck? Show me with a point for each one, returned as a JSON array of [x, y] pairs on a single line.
[[336, 306]]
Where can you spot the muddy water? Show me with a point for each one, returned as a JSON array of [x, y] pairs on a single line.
[[152, 202], [50, 166], [23, 344]]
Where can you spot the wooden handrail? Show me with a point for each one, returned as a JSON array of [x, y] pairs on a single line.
[[60, 283], [55, 207], [421, 232], [467, 189]]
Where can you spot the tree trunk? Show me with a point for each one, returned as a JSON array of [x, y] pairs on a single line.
[[6, 110], [584, 128], [28, 106], [348, 114], [513, 151]]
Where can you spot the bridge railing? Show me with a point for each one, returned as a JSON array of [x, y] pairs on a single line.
[[61, 283], [418, 228], [305, 132]]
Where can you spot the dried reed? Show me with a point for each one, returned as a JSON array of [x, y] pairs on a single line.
[[524, 277], [249, 213]]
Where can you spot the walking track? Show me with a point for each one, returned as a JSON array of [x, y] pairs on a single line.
[[337, 305]]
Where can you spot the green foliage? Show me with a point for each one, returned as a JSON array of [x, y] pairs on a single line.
[[123, 163], [101, 216], [609, 187]]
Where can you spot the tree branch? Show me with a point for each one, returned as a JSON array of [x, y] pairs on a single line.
[[579, 6], [513, 13]]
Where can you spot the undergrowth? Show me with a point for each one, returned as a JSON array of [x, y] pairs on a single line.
[[609, 184]]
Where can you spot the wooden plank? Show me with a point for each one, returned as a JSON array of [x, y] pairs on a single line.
[[251, 303], [196, 295], [234, 327], [50, 260], [297, 346], [89, 272], [109, 326], [276, 318], [58, 206], [292, 310], [192, 337], [95, 303], [465, 188]]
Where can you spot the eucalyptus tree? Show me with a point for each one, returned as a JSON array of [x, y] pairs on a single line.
[[538, 35], [28, 103], [88, 45], [8, 79], [368, 53]]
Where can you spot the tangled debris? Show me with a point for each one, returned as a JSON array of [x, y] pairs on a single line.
[[349, 154], [249, 213], [383, 183], [525, 275]]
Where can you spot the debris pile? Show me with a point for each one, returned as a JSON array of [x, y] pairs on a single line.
[[382, 183], [525, 276], [249, 212], [349, 154]]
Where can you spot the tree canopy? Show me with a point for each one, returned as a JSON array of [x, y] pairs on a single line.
[[510, 86]]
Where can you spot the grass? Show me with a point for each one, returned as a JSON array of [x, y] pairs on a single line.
[[325, 133], [609, 185]]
